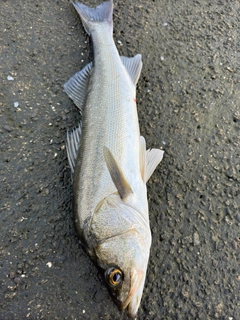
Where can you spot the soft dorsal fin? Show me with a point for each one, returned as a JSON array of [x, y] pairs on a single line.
[[133, 66], [76, 86], [73, 143], [149, 159], [117, 175]]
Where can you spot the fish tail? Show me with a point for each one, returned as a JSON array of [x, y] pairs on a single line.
[[91, 16]]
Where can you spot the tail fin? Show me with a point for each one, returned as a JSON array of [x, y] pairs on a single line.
[[101, 13]]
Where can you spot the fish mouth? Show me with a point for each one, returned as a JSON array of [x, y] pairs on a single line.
[[133, 299]]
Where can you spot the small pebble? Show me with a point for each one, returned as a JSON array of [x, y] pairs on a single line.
[[7, 128], [165, 24], [99, 296], [196, 240], [229, 173], [62, 258], [10, 78], [12, 275], [16, 104], [215, 263], [17, 280], [187, 206], [162, 58], [234, 245]]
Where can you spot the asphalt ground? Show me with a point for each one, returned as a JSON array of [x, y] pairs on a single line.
[[188, 100]]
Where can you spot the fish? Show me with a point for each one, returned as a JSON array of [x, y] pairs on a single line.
[[110, 163]]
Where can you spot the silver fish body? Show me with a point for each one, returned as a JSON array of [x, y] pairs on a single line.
[[110, 163]]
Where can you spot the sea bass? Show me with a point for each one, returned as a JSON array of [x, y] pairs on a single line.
[[110, 163]]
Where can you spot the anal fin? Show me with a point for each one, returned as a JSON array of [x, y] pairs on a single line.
[[133, 66]]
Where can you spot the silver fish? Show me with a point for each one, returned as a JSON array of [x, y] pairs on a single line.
[[110, 163]]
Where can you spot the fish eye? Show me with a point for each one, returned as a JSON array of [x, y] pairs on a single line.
[[114, 276]]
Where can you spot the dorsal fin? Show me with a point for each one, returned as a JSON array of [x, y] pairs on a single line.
[[76, 87], [133, 66], [117, 175], [73, 143]]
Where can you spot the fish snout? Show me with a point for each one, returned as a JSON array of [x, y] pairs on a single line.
[[133, 299]]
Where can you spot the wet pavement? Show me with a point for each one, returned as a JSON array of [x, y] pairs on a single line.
[[189, 105]]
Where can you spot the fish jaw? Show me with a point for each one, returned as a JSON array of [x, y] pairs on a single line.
[[131, 304]]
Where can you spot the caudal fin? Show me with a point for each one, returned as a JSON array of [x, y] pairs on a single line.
[[90, 16]]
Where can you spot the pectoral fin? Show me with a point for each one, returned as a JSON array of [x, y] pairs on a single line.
[[117, 175], [149, 159]]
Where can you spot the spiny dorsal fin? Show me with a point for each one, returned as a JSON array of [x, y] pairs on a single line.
[[76, 86], [133, 66], [117, 175], [153, 158], [73, 143]]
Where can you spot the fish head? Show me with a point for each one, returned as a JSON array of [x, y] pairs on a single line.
[[122, 252], [124, 266]]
